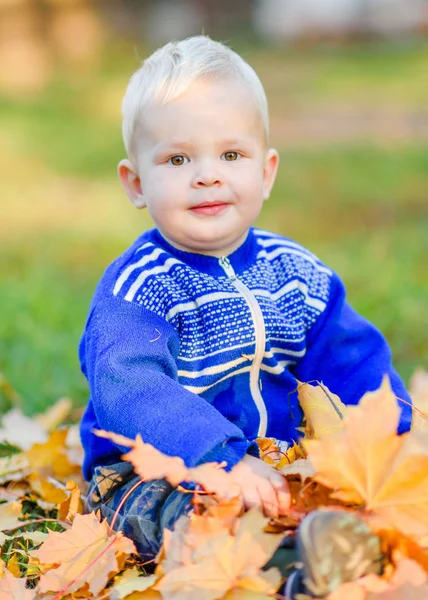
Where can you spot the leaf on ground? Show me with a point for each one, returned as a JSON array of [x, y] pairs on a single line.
[[408, 582], [13, 588], [395, 546], [14, 468], [73, 505], [324, 411], [50, 457], [21, 431], [48, 489], [149, 463], [73, 446], [418, 389], [301, 466], [10, 512], [368, 463], [131, 581], [88, 553], [204, 560], [55, 415]]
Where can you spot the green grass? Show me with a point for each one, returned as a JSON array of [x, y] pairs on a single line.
[[360, 206]]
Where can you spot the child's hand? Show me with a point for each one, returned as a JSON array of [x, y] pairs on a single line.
[[262, 486]]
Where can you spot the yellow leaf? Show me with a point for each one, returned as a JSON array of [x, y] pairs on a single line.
[[88, 553], [368, 463], [73, 504], [13, 566], [9, 515], [50, 458], [48, 489], [13, 588], [323, 410], [55, 414], [131, 581]]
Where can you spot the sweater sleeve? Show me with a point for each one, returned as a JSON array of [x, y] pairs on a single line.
[[128, 355], [349, 355]]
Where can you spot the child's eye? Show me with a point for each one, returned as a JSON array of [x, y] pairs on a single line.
[[231, 155], [178, 160]]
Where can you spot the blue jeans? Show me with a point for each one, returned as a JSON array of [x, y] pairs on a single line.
[[151, 507]]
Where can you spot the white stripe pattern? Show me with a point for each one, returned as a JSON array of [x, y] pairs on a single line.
[[194, 305], [129, 270], [291, 286], [282, 250], [145, 274]]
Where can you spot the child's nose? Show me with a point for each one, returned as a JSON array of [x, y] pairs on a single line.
[[206, 176]]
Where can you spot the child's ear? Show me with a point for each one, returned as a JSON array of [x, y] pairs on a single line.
[[131, 183], [269, 171]]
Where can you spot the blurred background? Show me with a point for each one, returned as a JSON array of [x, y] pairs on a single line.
[[347, 82]]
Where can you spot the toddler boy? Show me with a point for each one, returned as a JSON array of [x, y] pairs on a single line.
[[197, 333]]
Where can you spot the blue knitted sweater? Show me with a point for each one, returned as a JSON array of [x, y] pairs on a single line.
[[200, 355]]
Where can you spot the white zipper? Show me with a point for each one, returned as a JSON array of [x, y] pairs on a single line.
[[260, 333]]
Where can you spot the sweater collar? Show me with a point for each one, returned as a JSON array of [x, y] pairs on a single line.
[[240, 259]]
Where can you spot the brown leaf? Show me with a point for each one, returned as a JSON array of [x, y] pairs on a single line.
[[368, 463], [88, 553], [324, 411]]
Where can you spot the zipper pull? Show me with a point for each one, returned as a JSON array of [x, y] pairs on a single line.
[[227, 268]]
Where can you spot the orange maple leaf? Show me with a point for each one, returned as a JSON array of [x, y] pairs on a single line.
[[88, 553], [150, 463], [367, 463]]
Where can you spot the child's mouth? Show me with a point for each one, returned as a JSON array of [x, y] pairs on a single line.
[[210, 209]]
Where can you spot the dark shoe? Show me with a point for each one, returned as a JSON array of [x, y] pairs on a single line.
[[335, 547]]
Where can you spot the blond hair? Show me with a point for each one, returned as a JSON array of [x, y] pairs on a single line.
[[171, 70]]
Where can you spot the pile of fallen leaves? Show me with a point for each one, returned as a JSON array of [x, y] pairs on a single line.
[[348, 457]]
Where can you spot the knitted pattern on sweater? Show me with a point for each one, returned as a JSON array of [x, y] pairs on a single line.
[[200, 355]]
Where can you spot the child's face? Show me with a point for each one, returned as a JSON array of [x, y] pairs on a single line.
[[203, 169]]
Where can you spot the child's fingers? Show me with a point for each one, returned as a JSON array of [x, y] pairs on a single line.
[[269, 499], [283, 495]]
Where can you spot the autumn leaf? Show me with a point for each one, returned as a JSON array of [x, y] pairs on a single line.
[[324, 411], [13, 588], [131, 581], [21, 430], [50, 457], [368, 463], [418, 389], [301, 466], [55, 414], [73, 504], [48, 489], [408, 582], [10, 514], [204, 560], [88, 553], [149, 463]]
